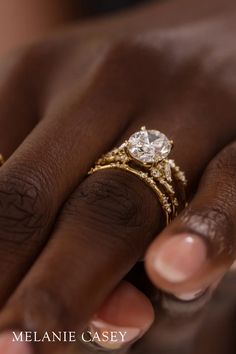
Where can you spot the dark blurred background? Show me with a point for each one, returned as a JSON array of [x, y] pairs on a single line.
[[103, 6], [26, 21]]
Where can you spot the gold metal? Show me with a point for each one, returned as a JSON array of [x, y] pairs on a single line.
[[164, 177]]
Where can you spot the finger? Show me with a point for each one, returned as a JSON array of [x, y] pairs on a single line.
[[51, 161], [196, 250], [99, 236], [124, 317], [127, 312], [18, 115]]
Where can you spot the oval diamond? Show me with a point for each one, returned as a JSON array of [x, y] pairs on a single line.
[[149, 146]]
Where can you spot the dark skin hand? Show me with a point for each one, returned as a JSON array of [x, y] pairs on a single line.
[[64, 237]]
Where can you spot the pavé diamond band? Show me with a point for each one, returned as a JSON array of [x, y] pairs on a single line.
[[144, 154]]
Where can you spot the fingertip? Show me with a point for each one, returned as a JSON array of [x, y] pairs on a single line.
[[129, 306], [9, 346], [127, 310], [181, 264], [179, 257]]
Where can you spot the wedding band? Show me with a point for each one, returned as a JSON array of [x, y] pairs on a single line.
[[145, 154]]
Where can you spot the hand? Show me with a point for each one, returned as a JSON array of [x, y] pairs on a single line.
[[90, 232]]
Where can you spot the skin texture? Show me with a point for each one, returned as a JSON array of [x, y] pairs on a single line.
[[70, 98], [20, 27]]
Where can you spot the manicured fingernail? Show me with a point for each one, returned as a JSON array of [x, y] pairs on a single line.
[[110, 336], [180, 257], [9, 346]]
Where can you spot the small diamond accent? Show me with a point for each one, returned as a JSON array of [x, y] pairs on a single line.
[[149, 146], [168, 172]]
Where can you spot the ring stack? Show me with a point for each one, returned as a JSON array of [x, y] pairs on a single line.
[[145, 154]]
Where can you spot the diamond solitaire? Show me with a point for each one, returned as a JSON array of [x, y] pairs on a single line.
[[149, 146]]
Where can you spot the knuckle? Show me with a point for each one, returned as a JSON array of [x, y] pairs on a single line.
[[24, 211], [154, 54], [225, 161], [216, 219], [135, 48], [214, 224], [108, 199], [111, 203], [123, 60], [222, 171]]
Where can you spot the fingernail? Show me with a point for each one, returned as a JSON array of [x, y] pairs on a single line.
[[9, 346], [110, 336], [180, 257], [233, 267], [190, 296]]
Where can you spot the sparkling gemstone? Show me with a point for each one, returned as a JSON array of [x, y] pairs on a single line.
[[149, 146]]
